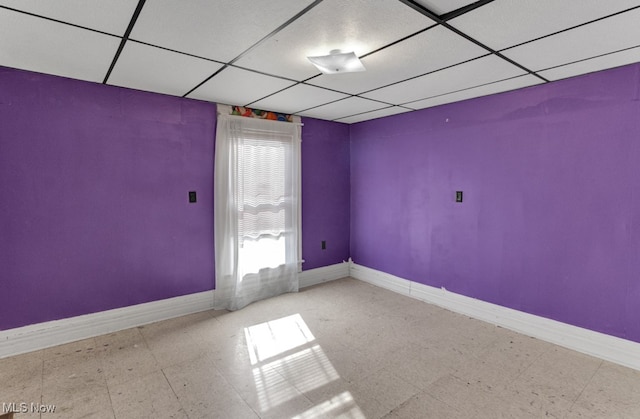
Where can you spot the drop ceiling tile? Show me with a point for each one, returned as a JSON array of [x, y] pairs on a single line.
[[297, 98], [210, 29], [473, 73], [235, 86], [504, 23], [392, 110], [111, 16], [36, 44], [487, 89], [351, 25], [431, 50], [343, 108], [616, 59], [607, 35], [157, 70], [441, 7]]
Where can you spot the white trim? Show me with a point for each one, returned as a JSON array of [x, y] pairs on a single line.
[[44, 335], [323, 274], [607, 347]]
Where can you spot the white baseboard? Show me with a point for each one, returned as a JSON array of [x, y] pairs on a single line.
[[323, 274], [607, 347], [57, 332], [44, 335]]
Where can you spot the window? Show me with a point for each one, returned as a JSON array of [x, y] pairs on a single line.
[[257, 209]]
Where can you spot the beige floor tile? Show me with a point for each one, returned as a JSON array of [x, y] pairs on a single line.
[[125, 356], [556, 378], [94, 405], [172, 341], [466, 396], [150, 397], [499, 364], [381, 392], [203, 391], [423, 405], [339, 405], [72, 376], [422, 365], [85, 346], [613, 392], [21, 379], [342, 349], [269, 394]]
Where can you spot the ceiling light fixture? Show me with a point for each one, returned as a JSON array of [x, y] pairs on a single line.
[[337, 62]]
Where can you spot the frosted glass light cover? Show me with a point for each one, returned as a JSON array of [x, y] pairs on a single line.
[[336, 63]]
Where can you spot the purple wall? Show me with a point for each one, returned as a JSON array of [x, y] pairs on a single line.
[[94, 183], [550, 222], [325, 192]]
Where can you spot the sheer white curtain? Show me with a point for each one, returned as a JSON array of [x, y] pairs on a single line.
[[256, 209]]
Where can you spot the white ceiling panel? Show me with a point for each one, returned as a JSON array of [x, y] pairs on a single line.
[[351, 25], [392, 110], [608, 35], [157, 70], [593, 64], [504, 23], [441, 7], [235, 86], [210, 29], [297, 98], [176, 45], [343, 108], [487, 89], [431, 50], [474, 73], [36, 44], [111, 16]]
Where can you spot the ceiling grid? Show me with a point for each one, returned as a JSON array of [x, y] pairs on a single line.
[[418, 53]]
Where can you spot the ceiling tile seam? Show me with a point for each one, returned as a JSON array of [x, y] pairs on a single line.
[[571, 28], [277, 30], [362, 113], [407, 104], [317, 106], [283, 89], [375, 110], [176, 51], [215, 73], [345, 98], [494, 52], [421, 9], [294, 85], [264, 39], [590, 58], [328, 88], [132, 22], [275, 76], [398, 41], [375, 100], [59, 21], [463, 10], [323, 104], [248, 105], [422, 75], [319, 74]]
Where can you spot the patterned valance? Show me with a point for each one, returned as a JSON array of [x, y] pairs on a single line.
[[258, 113]]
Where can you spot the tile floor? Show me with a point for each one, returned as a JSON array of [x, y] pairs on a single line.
[[342, 349]]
